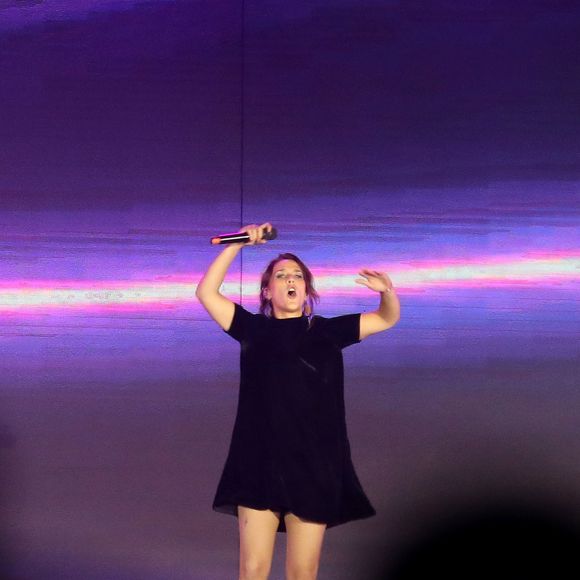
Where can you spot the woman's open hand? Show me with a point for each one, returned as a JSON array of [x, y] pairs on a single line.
[[377, 281]]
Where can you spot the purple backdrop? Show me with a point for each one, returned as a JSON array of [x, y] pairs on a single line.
[[439, 142]]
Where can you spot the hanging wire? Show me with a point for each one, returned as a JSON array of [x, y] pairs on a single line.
[[242, 114]]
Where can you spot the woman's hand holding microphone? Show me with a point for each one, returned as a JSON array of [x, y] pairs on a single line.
[[248, 236], [257, 233]]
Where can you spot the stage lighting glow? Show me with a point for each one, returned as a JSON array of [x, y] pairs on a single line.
[[30, 295]]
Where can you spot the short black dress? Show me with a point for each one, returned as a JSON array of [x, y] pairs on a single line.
[[289, 450]]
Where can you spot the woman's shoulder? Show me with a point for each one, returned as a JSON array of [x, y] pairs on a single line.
[[342, 330], [245, 323]]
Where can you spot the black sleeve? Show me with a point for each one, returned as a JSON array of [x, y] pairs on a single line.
[[344, 330], [241, 324]]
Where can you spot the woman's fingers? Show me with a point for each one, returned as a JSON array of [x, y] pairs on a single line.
[[249, 229], [256, 233], [266, 227], [367, 272], [375, 280], [261, 231], [253, 233]]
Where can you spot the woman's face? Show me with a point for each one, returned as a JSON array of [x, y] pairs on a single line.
[[286, 290]]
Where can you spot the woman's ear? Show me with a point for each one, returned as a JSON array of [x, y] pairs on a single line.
[[266, 293]]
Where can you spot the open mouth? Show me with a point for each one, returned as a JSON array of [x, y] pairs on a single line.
[[292, 293]]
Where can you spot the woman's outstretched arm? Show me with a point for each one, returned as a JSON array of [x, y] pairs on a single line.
[[220, 308], [389, 310]]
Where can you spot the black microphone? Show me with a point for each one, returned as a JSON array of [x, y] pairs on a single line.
[[242, 237]]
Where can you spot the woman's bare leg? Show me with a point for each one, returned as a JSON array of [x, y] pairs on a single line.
[[303, 548], [257, 539]]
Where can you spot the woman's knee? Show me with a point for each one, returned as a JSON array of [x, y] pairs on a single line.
[[301, 570], [254, 568]]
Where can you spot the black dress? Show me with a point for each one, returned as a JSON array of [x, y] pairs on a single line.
[[289, 450]]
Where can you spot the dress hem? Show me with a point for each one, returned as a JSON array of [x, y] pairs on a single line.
[[232, 509]]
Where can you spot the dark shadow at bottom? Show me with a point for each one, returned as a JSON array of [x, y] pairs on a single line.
[[492, 539]]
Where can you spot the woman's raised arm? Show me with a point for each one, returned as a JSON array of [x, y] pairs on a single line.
[[220, 308], [389, 311]]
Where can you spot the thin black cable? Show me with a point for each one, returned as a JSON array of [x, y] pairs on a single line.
[[242, 113]]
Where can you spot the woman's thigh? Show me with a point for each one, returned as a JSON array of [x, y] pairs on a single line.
[[257, 538], [304, 546]]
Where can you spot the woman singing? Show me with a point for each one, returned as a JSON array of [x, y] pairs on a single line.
[[289, 467]]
